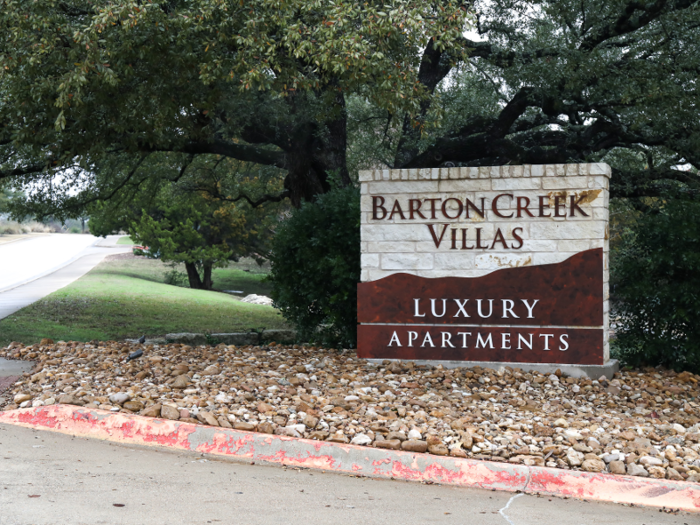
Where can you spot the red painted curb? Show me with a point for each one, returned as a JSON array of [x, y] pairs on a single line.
[[365, 461]]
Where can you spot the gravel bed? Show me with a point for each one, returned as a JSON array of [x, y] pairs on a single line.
[[641, 423]]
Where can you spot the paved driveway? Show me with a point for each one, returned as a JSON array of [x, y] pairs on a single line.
[[48, 478], [33, 268], [31, 257]]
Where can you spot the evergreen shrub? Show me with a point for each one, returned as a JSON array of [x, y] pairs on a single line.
[[656, 288], [316, 267]]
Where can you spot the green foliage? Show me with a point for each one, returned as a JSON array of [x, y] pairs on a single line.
[[316, 268], [185, 228], [189, 213], [7, 196], [175, 277], [656, 286], [317, 86]]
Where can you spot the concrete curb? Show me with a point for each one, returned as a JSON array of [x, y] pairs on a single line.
[[356, 460]]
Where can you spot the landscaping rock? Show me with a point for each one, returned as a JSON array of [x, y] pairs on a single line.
[[169, 412], [414, 445], [502, 415], [257, 299], [438, 449], [617, 467], [574, 457], [239, 425], [593, 465], [361, 439], [392, 444], [207, 418], [68, 399], [637, 470], [152, 411], [181, 381], [134, 406], [21, 398], [120, 398]]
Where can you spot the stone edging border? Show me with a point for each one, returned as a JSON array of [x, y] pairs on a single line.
[[356, 460]]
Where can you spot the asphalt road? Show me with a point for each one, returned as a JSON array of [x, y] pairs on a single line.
[[34, 267], [31, 257], [48, 478]]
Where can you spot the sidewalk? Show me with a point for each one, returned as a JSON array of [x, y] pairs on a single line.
[[49, 478]]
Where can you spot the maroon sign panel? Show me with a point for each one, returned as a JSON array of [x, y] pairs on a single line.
[[550, 313]]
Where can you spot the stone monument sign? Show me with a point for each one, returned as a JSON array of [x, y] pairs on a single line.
[[504, 263]]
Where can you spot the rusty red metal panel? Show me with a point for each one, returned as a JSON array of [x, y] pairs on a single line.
[[569, 293], [583, 346]]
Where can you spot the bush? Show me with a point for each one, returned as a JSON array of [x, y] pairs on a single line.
[[316, 267], [173, 276], [656, 277], [18, 228]]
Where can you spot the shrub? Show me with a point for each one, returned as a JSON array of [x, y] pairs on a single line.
[[316, 267], [656, 277], [173, 276]]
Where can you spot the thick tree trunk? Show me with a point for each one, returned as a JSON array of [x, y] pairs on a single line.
[[193, 276], [207, 283], [317, 153]]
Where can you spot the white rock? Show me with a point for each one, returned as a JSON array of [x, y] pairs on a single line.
[[679, 428], [257, 299], [25, 404], [294, 430], [571, 433], [49, 401], [119, 398], [650, 461], [561, 422], [414, 434], [361, 439], [352, 398], [574, 457], [37, 403], [576, 389]]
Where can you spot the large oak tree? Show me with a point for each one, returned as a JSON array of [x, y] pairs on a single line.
[[321, 88]]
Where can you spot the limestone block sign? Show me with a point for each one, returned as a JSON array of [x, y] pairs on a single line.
[[506, 263]]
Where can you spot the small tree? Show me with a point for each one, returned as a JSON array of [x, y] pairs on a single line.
[[191, 214], [191, 229], [316, 267]]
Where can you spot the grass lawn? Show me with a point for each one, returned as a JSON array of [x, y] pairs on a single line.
[[126, 296], [125, 240]]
